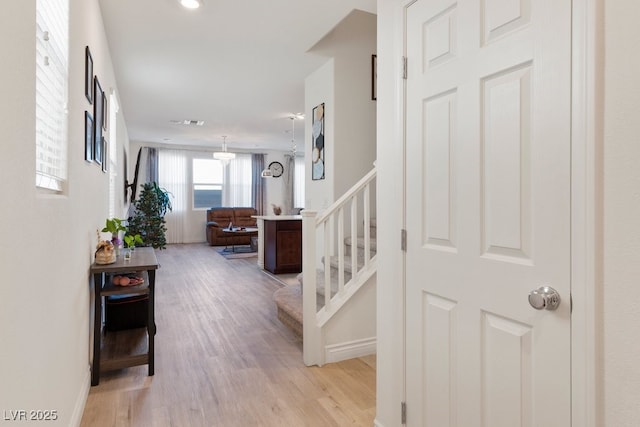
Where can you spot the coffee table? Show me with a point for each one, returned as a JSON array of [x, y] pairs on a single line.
[[240, 231]]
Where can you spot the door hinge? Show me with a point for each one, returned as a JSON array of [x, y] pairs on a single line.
[[404, 67], [403, 412], [403, 240]]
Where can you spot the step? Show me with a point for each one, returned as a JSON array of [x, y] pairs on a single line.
[[373, 246], [289, 305], [320, 283], [334, 263]]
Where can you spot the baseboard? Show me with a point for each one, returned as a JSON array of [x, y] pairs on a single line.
[[377, 423], [78, 409], [349, 350]]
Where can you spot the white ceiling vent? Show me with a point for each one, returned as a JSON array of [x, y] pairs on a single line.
[[188, 122]]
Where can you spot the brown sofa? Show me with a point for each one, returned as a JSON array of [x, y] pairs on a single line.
[[219, 218]]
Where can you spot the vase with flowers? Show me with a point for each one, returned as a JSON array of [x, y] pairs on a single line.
[[115, 226]]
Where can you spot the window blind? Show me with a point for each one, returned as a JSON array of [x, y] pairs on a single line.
[[52, 52]]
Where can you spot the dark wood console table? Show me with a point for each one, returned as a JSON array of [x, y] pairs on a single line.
[[143, 260]]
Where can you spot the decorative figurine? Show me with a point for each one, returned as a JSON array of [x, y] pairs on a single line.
[[105, 252]]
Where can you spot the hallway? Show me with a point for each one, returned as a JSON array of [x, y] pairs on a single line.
[[223, 358]]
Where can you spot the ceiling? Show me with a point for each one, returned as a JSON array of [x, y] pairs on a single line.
[[237, 65]]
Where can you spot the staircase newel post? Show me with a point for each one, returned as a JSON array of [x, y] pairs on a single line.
[[311, 340]]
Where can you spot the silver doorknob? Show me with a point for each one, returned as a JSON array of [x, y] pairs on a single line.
[[544, 298]]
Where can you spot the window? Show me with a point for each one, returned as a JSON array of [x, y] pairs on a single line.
[[113, 152], [52, 52], [298, 183], [215, 185], [207, 183]]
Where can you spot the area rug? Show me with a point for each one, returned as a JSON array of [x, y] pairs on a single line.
[[237, 252]]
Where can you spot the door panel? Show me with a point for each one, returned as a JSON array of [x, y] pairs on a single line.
[[506, 164], [487, 212]]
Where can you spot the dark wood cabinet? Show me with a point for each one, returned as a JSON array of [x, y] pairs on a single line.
[[283, 246]]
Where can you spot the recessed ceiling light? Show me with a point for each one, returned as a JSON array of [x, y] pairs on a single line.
[[191, 4]]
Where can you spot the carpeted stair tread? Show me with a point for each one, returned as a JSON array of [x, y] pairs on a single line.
[[373, 246], [320, 281], [334, 261], [289, 303]]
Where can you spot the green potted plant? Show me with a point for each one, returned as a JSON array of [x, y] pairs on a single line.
[[148, 216], [115, 226], [131, 241]]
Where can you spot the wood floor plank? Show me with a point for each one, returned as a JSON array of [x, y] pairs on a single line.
[[224, 359]]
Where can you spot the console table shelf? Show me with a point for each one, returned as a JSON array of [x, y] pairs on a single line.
[[143, 260], [111, 289]]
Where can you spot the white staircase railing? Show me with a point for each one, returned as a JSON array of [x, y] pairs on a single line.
[[324, 233]]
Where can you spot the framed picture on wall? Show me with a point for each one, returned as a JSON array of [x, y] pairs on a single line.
[[374, 77], [97, 121], [88, 137], [317, 144], [88, 74], [105, 111]]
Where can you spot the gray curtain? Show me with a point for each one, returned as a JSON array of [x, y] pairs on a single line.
[[288, 182], [257, 183], [152, 165]]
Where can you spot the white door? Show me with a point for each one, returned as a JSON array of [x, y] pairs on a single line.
[[487, 212]]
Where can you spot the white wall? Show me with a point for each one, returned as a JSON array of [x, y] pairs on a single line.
[[344, 85], [47, 241], [194, 231], [354, 41], [274, 187], [390, 306], [318, 89], [621, 287], [351, 332]]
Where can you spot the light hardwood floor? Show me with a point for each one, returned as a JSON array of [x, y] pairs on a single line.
[[223, 358]]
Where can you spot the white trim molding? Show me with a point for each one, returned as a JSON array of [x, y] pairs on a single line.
[[586, 213], [81, 401], [349, 350]]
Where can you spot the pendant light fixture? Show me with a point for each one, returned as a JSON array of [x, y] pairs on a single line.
[[267, 173], [224, 155], [297, 116]]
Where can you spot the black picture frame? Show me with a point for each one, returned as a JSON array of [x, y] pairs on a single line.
[[88, 74], [374, 77], [125, 173], [105, 111], [98, 154], [88, 136]]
